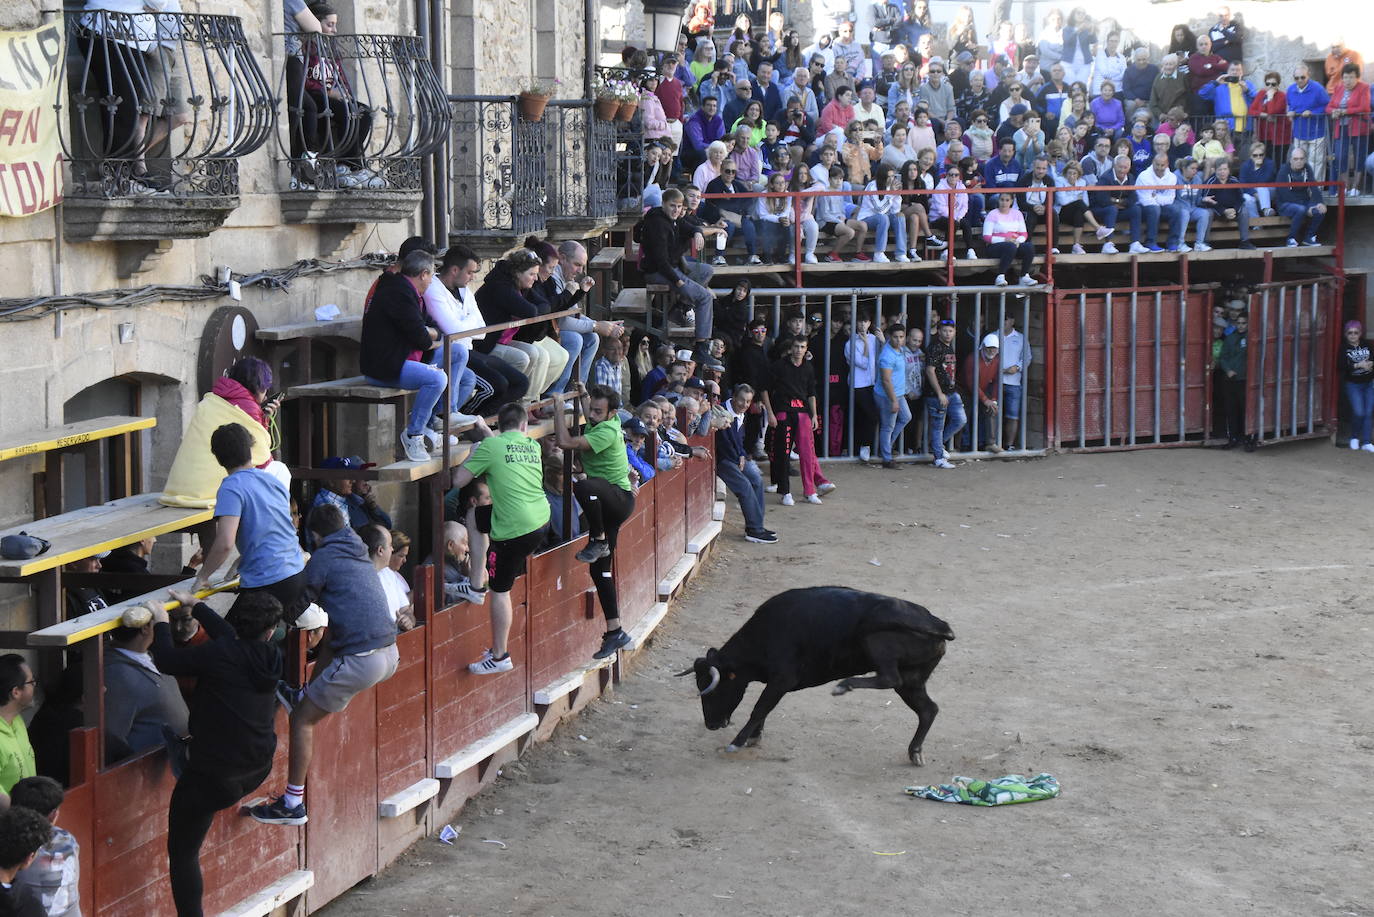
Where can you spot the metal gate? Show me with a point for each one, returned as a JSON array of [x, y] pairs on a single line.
[[1131, 368], [1290, 360]]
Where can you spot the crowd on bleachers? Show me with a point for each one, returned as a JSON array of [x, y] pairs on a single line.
[[917, 106]]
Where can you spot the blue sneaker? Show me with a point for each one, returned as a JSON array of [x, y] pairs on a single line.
[[276, 813], [1154, 248]]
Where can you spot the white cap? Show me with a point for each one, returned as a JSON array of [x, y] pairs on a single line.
[[685, 356], [991, 340], [314, 616]]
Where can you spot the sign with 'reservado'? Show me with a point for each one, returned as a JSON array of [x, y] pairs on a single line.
[[30, 153]]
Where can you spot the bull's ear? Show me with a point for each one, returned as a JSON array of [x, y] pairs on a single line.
[[731, 675], [712, 654]]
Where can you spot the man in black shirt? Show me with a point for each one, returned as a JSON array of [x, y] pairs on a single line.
[[944, 407], [791, 400], [663, 244]]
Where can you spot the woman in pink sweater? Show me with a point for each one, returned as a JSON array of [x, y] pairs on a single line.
[[1004, 230], [940, 208]]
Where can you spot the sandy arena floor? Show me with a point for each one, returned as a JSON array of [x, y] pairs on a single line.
[[1182, 637]]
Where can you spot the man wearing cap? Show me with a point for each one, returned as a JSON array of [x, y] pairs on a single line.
[[635, 435], [979, 374], [1016, 360], [355, 497], [944, 407], [959, 76], [81, 600]]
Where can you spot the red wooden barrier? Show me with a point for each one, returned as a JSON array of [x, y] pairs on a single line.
[[635, 562], [388, 739], [670, 519], [565, 619], [701, 489]]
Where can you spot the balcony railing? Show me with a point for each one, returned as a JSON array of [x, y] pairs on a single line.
[[629, 144], [497, 170], [581, 159], [361, 112], [161, 105]]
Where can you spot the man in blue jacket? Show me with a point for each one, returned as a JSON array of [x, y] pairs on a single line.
[[1003, 171], [359, 652], [1307, 102], [738, 470], [1302, 206], [1230, 96]]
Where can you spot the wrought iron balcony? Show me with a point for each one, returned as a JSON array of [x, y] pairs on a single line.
[[497, 173], [162, 107], [629, 143], [361, 113], [581, 163]]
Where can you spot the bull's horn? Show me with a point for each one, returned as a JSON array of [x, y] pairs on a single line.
[[715, 680], [687, 671]]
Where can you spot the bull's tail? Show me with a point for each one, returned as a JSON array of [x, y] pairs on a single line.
[[937, 628]]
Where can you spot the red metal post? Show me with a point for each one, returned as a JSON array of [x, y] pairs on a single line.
[[797, 239], [1049, 235], [951, 196]]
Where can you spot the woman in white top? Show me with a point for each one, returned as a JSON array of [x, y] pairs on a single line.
[[774, 215], [378, 541], [861, 350], [882, 212], [1004, 231], [1109, 64]]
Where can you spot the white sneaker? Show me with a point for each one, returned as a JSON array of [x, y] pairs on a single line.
[[490, 665], [1352, 192], [1138, 248], [793, 456], [754, 259], [825, 488], [1199, 247], [718, 259], [771, 489], [414, 447], [1355, 444], [434, 440], [881, 257], [1367, 447], [810, 259], [864, 453], [814, 498], [943, 463], [1077, 250], [1001, 280], [903, 258], [913, 254], [1109, 249], [1104, 231], [459, 419], [1027, 280], [788, 501], [1202, 247], [972, 255]]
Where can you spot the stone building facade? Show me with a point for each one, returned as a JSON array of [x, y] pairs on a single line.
[[85, 361]]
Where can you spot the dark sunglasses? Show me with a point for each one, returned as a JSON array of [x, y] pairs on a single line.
[[936, 70], [1272, 84]]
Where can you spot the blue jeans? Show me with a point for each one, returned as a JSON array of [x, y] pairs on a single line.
[[1296, 214], [457, 369], [879, 223], [1110, 215], [890, 422], [1011, 401], [747, 486], [429, 382], [748, 228], [1360, 397], [578, 344], [944, 422], [1180, 215], [693, 292], [774, 239]]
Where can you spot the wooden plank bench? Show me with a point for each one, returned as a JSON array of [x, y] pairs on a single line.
[[605, 269], [49, 439], [345, 326], [84, 627], [316, 397], [86, 532]]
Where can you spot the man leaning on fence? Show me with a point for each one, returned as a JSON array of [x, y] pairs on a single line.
[[662, 255]]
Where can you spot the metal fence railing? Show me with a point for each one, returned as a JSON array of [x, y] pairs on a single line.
[[361, 112], [160, 104], [497, 168]]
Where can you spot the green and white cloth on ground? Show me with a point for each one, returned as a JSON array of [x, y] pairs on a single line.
[[1002, 791]]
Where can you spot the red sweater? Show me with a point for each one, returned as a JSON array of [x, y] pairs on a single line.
[[987, 374]]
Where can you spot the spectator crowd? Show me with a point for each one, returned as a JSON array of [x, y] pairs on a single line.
[[1085, 120]]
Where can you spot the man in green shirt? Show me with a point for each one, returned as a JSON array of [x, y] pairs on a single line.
[[514, 520], [606, 496], [16, 754]]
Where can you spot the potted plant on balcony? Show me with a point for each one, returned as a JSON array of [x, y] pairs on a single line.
[[533, 97], [607, 99], [628, 96]]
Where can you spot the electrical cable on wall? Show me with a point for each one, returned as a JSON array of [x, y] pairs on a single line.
[[25, 309]]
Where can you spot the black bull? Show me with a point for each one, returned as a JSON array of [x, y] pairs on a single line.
[[808, 637]]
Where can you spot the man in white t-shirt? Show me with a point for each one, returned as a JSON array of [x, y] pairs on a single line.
[[1016, 360], [449, 304]]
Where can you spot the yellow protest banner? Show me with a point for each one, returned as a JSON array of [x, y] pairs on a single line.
[[30, 153]]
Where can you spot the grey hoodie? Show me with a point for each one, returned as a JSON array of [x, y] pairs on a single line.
[[341, 578]]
